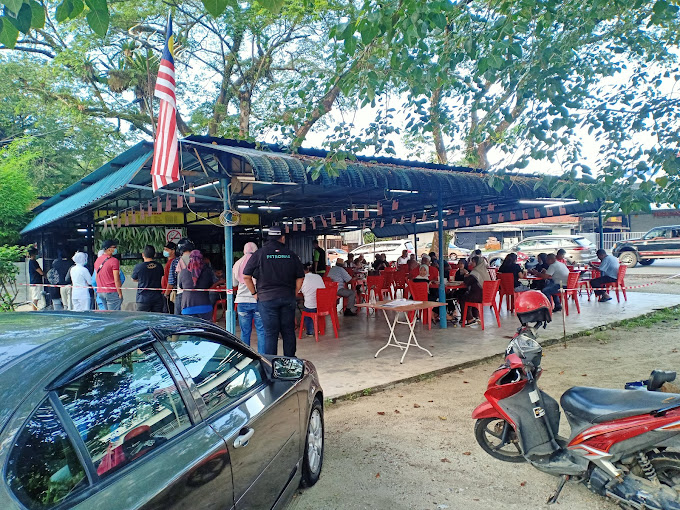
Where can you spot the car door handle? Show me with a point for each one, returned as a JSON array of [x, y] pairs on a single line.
[[243, 438]]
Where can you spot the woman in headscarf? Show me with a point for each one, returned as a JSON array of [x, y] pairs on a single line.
[[80, 278], [197, 275], [248, 312]]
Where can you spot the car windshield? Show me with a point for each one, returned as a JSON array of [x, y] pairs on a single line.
[[657, 232]]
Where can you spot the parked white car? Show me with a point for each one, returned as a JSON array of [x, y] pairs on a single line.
[[391, 249]]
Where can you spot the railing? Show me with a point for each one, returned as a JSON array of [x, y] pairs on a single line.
[[610, 238]]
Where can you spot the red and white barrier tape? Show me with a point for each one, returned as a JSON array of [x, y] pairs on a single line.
[[216, 289]]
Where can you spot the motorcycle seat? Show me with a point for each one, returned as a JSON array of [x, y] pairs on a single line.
[[598, 405]]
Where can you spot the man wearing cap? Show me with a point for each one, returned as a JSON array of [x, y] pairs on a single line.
[[106, 269], [279, 275]]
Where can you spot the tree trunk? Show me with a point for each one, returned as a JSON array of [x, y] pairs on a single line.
[[482, 152], [325, 106], [244, 114], [439, 146]]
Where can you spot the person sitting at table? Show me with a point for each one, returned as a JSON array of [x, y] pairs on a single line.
[[359, 262], [339, 275], [541, 265], [380, 262], [511, 266], [609, 269], [447, 269], [562, 257], [555, 279], [423, 274], [350, 260], [310, 285], [474, 282], [403, 259], [433, 258]]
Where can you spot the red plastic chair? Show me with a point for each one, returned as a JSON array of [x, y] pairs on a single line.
[[388, 281], [325, 307], [493, 273], [328, 268], [223, 303], [374, 285], [400, 282], [507, 290], [618, 284], [414, 272], [419, 292], [350, 271], [572, 291], [434, 274], [327, 281], [489, 292]]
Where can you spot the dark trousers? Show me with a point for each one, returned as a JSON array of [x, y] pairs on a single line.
[[278, 316], [598, 284], [157, 305]]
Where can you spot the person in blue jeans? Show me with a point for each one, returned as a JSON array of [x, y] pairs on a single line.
[[248, 309], [279, 275]]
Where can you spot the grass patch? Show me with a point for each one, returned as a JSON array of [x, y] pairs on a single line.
[[651, 319]]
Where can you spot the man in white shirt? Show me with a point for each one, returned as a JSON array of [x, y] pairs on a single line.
[[339, 275], [557, 274], [403, 259], [310, 284]]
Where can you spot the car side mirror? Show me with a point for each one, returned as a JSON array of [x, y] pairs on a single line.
[[288, 369]]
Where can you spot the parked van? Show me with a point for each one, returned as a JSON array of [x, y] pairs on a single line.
[[391, 249]]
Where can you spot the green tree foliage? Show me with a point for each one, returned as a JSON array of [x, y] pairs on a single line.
[[8, 275], [67, 143], [16, 191]]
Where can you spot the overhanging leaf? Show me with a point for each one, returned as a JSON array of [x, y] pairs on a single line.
[[37, 14], [8, 33], [63, 11], [98, 21], [273, 6], [13, 5], [23, 20], [215, 7]]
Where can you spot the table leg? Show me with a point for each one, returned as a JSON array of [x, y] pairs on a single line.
[[412, 334], [392, 336]]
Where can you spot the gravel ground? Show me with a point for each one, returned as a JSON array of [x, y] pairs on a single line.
[[412, 446], [662, 283]]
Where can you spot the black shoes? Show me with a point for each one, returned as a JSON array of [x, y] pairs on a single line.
[[349, 313]]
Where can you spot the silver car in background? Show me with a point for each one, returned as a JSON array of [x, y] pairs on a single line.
[[578, 248]]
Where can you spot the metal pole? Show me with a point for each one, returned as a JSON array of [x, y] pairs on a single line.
[[442, 284], [600, 229], [228, 261], [415, 240]]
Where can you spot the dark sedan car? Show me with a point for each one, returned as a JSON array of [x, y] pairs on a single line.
[[145, 411]]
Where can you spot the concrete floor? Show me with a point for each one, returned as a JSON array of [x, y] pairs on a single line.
[[347, 365]]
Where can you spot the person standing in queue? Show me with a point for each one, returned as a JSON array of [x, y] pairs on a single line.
[[279, 275], [149, 274], [180, 262], [169, 253], [107, 273], [318, 259]]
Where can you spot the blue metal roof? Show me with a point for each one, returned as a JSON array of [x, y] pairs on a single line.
[[104, 181]]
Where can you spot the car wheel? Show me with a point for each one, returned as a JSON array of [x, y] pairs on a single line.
[[647, 262], [313, 459], [628, 258]]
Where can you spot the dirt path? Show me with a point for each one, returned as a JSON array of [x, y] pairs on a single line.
[[412, 447]]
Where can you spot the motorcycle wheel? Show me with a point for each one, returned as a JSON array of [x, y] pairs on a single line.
[[497, 438], [667, 466]]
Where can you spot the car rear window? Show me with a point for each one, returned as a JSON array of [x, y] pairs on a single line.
[[582, 241]]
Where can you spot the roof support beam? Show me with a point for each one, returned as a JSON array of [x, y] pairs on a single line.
[[171, 192]]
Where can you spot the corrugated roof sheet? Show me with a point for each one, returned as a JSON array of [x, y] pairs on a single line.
[[99, 189]]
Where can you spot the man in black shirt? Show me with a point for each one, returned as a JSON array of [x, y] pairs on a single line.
[[279, 275], [319, 259], [149, 274], [61, 296]]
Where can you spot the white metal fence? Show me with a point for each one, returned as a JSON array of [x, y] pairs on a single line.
[[610, 238]]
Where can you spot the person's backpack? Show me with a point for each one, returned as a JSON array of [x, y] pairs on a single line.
[[53, 276]]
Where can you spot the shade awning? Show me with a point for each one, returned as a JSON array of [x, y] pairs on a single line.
[[98, 190]]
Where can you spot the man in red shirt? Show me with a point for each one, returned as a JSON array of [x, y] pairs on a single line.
[[107, 270]]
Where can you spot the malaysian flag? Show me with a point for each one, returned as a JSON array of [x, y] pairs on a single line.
[[165, 169]]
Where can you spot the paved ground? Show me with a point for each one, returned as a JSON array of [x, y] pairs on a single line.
[[412, 447], [347, 364]]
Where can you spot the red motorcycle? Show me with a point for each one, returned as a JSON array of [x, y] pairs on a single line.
[[623, 444]]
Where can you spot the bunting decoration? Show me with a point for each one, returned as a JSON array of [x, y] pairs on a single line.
[[180, 202], [366, 215], [395, 205], [168, 203], [159, 206]]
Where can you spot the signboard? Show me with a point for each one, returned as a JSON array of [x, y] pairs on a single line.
[[173, 235]]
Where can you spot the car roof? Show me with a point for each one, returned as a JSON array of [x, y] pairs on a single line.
[[34, 345], [554, 236]]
